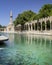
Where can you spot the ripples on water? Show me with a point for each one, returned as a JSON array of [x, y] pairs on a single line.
[[26, 50]]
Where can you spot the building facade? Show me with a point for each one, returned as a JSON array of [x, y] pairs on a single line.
[[10, 26], [41, 24]]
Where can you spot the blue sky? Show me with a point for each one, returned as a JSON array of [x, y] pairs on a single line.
[[18, 6]]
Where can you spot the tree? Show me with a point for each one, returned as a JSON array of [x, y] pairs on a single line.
[[28, 16], [45, 11], [0, 26], [24, 17]]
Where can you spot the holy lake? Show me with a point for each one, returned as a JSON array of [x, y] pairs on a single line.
[[26, 49]]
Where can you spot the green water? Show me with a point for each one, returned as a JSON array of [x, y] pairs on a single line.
[[24, 49]]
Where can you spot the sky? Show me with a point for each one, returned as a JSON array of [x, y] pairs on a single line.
[[17, 7]]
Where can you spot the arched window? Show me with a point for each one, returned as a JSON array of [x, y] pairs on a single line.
[[35, 26], [30, 26], [39, 26], [43, 25], [48, 25], [27, 27], [24, 27]]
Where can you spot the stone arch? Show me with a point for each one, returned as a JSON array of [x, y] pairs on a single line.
[[51, 25], [27, 27], [24, 27], [48, 25], [39, 26], [33, 26], [30, 26], [43, 25]]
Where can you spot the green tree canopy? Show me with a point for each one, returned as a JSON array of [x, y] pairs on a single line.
[[0, 26], [45, 11], [25, 17], [29, 15]]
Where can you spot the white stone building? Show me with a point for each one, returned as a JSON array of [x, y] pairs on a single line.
[[30, 26], [10, 27]]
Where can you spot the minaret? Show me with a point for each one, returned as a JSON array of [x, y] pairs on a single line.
[[11, 18], [10, 26]]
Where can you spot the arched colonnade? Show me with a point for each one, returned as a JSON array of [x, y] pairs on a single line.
[[41, 24]]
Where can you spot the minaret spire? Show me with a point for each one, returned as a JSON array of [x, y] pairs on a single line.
[[11, 17], [11, 13]]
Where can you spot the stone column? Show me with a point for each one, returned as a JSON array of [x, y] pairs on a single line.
[[25, 27], [45, 25], [50, 25], [28, 28], [41, 25], [34, 26], [31, 27], [37, 25]]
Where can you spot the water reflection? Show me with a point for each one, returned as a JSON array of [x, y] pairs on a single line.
[[2, 44], [40, 41], [27, 50]]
